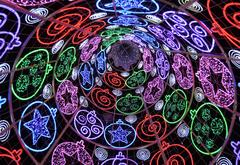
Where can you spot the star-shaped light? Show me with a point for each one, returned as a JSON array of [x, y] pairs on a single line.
[[38, 126], [2, 101], [86, 75], [119, 135], [101, 61]]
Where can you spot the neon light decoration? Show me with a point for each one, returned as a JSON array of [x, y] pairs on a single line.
[[47, 91], [4, 134], [10, 156], [38, 126], [102, 99], [43, 12], [98, 15], [85, 75], [192, 31], [119, 135], [143, 154], [67, 105], [54, 32], [114, 80], [101, 153], [129, 6], [147, 38], [129, 104], [87, 31], [151, 129], [223, 93], [101, 63], [234, 55], [41, 127], [70, 149], [208, 126], [175, 107], [148, 61], [31, 3], [57, 46], [150, 95], [88, 125], [163, 66], [89, 48], [174, 153], [228, 12], [119, 159], [2, 101], [136, 79], [195, 6], [64, 64], [183, 130], [183, 71], [31, 72], [4, 70], [127, 20], [235, 146], [165, 36], [8, 39]]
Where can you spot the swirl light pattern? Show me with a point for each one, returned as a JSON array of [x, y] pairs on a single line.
[[117, 82]]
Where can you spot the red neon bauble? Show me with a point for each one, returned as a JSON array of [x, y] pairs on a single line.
[[14, 156], [151, 129], [103, 99], [114, 80], [172, 154], [73, 16], [231, 14], [87, 31]]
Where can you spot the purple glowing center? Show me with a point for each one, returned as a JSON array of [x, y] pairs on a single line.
[[124, 54]]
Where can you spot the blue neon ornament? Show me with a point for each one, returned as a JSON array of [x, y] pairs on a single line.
[[119, 135], [2, 101], [129, 6], [9, 38], [101, 63], [85, 74], [127, 20], [38, 124], [147, 38]]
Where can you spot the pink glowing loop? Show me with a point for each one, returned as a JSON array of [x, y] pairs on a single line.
[[148, 60], [183, 71], [150, 94], [70, 149], [66, 106], [90, 48], [209, 70]]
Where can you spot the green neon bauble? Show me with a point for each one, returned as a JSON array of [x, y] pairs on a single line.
[[30, 74], [175, 107], [208, 129], [129, 104], [64, 64], [136, 79]]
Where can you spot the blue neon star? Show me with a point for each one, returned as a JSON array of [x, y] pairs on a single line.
[[2, 101], [38, 126], [86, 75], [101, 61], [119, 135]]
